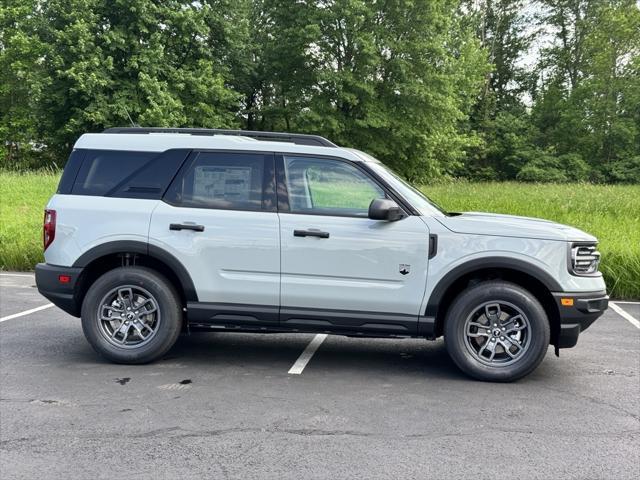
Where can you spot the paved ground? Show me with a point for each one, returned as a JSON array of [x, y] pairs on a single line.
[[223, 406]]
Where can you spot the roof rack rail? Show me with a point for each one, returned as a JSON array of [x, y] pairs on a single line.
[[297, 138]]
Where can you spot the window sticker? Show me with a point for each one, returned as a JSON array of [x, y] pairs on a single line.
[[228, 183]]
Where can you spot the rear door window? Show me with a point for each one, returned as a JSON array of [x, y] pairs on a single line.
[[232, 181]]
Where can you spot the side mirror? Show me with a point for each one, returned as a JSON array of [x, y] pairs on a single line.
[[385, 209]]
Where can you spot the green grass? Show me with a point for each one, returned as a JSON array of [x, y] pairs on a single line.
[[23, 197], [610, 212]]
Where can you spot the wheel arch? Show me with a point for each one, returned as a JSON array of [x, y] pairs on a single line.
[[530, 277], [110, 255]]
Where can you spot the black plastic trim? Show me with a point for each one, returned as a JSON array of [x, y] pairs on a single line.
[[62, 295], [311, 233], [296, 138], [207, 313], [349, 320], [131, 246], [433, 245], [393, 194], [576, 318], [247, 317], [186, 226], [482, 264]]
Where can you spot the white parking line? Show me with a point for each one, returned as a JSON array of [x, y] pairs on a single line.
[[26, 312], [24, 275], [626, 302], [625, 315], [304, 358]]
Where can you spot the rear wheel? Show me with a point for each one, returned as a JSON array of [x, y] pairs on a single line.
[[131, 315], [497, 331]]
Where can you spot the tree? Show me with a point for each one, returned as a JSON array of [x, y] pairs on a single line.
[[588, 98], [499, 118], [400, 80], [22, 82], [107, 62]]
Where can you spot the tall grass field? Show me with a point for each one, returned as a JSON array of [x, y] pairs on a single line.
[[610, 212]]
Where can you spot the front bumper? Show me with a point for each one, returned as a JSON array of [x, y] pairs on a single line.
[[577, 313], [61, 294]]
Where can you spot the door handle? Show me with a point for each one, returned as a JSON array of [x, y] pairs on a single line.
[[312, 232], [186, 226]]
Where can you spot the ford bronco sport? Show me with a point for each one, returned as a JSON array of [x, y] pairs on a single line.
[[154, 231]]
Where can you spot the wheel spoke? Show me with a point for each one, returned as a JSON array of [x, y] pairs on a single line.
[[481, 330], [125, 335], [148, 327], [479, 325], [144, 303], [515, 329], [112, 310], [478, 334], [507, 343], [490, 347], [493, 312], [125, 295], [121, 329]]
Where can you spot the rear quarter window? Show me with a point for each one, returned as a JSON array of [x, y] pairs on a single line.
[[103, 170], [70, 171]]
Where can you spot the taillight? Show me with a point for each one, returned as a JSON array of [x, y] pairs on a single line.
[[49, 228]]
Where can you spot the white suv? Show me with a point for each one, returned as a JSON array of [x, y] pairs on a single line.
[[155, 231]]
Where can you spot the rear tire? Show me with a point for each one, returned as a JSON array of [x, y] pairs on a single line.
[[496, 331], [132, 315]]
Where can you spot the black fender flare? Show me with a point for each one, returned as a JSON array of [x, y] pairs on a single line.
[[487, 263], [142, 248]]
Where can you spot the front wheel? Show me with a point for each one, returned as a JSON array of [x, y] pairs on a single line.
[[496, 331], [131, 315]]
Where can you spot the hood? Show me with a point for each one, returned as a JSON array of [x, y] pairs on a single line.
[[477, 223]]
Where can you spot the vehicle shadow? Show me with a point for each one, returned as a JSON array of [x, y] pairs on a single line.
[[338, 354]]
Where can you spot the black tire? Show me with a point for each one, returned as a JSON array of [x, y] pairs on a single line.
[[169, 317], [461, 346]]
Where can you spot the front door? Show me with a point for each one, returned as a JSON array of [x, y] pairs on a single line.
[[341, 270], [219, 219]]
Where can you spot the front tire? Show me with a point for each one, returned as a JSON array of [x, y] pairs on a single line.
[[132, 315], [496, 331]]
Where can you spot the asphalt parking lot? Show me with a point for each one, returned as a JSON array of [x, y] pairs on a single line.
[[225, 406]]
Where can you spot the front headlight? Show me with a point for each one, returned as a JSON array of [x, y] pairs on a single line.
[[584, 259]]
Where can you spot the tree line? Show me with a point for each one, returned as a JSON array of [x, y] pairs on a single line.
[[532, 90]]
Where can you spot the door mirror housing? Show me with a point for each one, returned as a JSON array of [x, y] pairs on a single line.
[[385, 209]]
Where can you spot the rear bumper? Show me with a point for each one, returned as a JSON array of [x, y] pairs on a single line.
[[576, 318], [62, 295]]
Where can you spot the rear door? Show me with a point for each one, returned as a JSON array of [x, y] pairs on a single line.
[[341, 270], [218, 218]]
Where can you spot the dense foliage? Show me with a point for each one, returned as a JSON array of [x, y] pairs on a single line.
[[533, 90]]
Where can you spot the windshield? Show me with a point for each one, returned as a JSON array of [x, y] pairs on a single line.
[[415, 197]]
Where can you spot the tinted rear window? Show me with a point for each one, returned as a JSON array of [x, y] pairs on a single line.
[[70, 171], [102, 170]]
